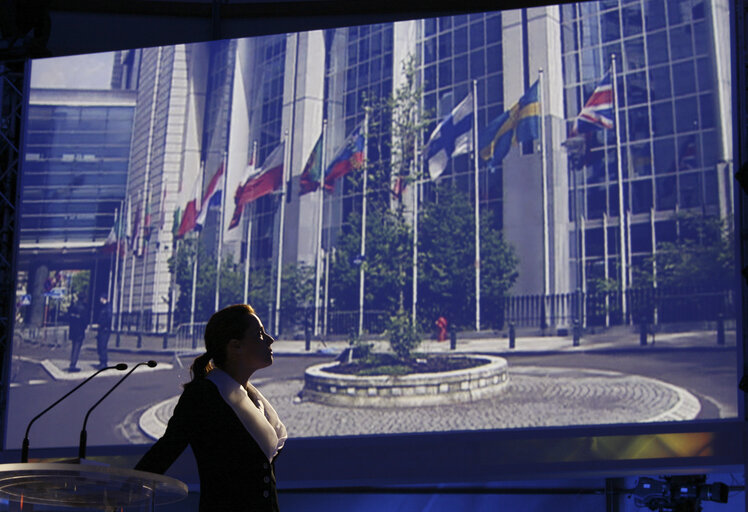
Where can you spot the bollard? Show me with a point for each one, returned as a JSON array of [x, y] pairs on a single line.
[[116, 341], [643, 334], [307, 338], [166, 340], [576, 333], [140, 340], [512, 335], [452, 339], [720, 329]]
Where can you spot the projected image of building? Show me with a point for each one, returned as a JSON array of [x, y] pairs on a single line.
[[673, 139], [243, 171], [217, 113], [75, 176]]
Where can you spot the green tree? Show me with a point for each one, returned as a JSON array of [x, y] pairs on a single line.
[[232, 283], [80, 283], [404, 336], [297, 291], [388, 241], [395, 124], [702, 256], [447, 262]]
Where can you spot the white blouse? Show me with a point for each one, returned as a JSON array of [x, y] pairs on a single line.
[[253, 410]]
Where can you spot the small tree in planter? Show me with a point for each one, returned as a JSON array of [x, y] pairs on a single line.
[[404, 336]]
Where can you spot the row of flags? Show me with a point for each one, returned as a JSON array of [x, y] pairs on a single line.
[[268, 178], [453, 136]]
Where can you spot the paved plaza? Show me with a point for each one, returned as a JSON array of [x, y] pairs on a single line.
[[534, 397], [609, 378]]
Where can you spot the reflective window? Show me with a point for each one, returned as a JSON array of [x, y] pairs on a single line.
[[632, 19], [690, 189], [681, 42], [664, 153], [662, 118], [686, 82], [659, 83], [657, 48], [686, 114], [641, 196], [641, 237]]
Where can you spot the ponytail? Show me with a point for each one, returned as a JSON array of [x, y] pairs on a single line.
[[201, 366]]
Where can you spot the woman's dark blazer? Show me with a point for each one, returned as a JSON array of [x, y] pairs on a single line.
[[235, 474]]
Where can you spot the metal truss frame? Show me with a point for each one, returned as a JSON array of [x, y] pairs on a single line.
[[12, 80]]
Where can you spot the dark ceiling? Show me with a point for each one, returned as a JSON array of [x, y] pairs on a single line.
[[46, 28]]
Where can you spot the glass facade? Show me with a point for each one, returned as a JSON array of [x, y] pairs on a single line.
[[667, 113], [270, 54], [455, 51], [367, 77], [75, 172]]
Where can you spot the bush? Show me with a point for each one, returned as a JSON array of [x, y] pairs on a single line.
[[404, 336]]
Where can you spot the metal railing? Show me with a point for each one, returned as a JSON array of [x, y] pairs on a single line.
[[645, 305]]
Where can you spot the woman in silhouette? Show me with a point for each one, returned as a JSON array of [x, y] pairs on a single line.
[[233, 430]]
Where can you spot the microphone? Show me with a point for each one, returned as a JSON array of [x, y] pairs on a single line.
[[82, 445], [25, 446]]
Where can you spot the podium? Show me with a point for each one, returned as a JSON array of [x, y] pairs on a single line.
[[87, 486]]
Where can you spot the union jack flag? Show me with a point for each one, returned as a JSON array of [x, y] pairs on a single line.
[[598, 111]]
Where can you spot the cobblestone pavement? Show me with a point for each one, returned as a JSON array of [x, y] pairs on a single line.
[[534, 397]]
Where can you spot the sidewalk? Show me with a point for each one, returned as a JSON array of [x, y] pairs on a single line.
[[613, 340]]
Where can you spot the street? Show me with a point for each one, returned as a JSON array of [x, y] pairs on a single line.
[[546, 389]]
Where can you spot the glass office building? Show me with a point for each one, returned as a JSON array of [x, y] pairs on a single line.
[[674, 130], [567, 231], [75, 173]]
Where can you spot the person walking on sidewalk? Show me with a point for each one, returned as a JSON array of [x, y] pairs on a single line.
[[104, 320], [77, 323]]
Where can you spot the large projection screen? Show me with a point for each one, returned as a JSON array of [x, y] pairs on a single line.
[[599, 280]]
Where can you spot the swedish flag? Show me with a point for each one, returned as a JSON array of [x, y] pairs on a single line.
[[520, 123]]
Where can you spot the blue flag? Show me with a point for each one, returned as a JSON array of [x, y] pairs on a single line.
[[521, 123], [452, 137]]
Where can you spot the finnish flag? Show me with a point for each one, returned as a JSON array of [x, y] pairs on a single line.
[[452, 137]]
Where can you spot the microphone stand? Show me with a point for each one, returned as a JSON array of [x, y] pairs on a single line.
[[82, 445], [25, 446]]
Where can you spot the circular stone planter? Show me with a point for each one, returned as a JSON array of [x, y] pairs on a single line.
[[456, 386]]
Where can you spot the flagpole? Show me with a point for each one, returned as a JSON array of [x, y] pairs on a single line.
[[477, 205], [279, 272], [621, 220], [361, 275], [416, 191], [250, 214], [248, 255], [328, 255], [606, 272], [654, 261], [127, 219], [114, 300], [629, 277], [320, 212], [146, 209], [110, 281], [198, 206], [194, 282], [225, 165], [583, 244], [544, 178], [132, 270]]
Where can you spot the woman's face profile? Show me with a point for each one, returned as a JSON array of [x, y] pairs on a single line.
[[253, 350]]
